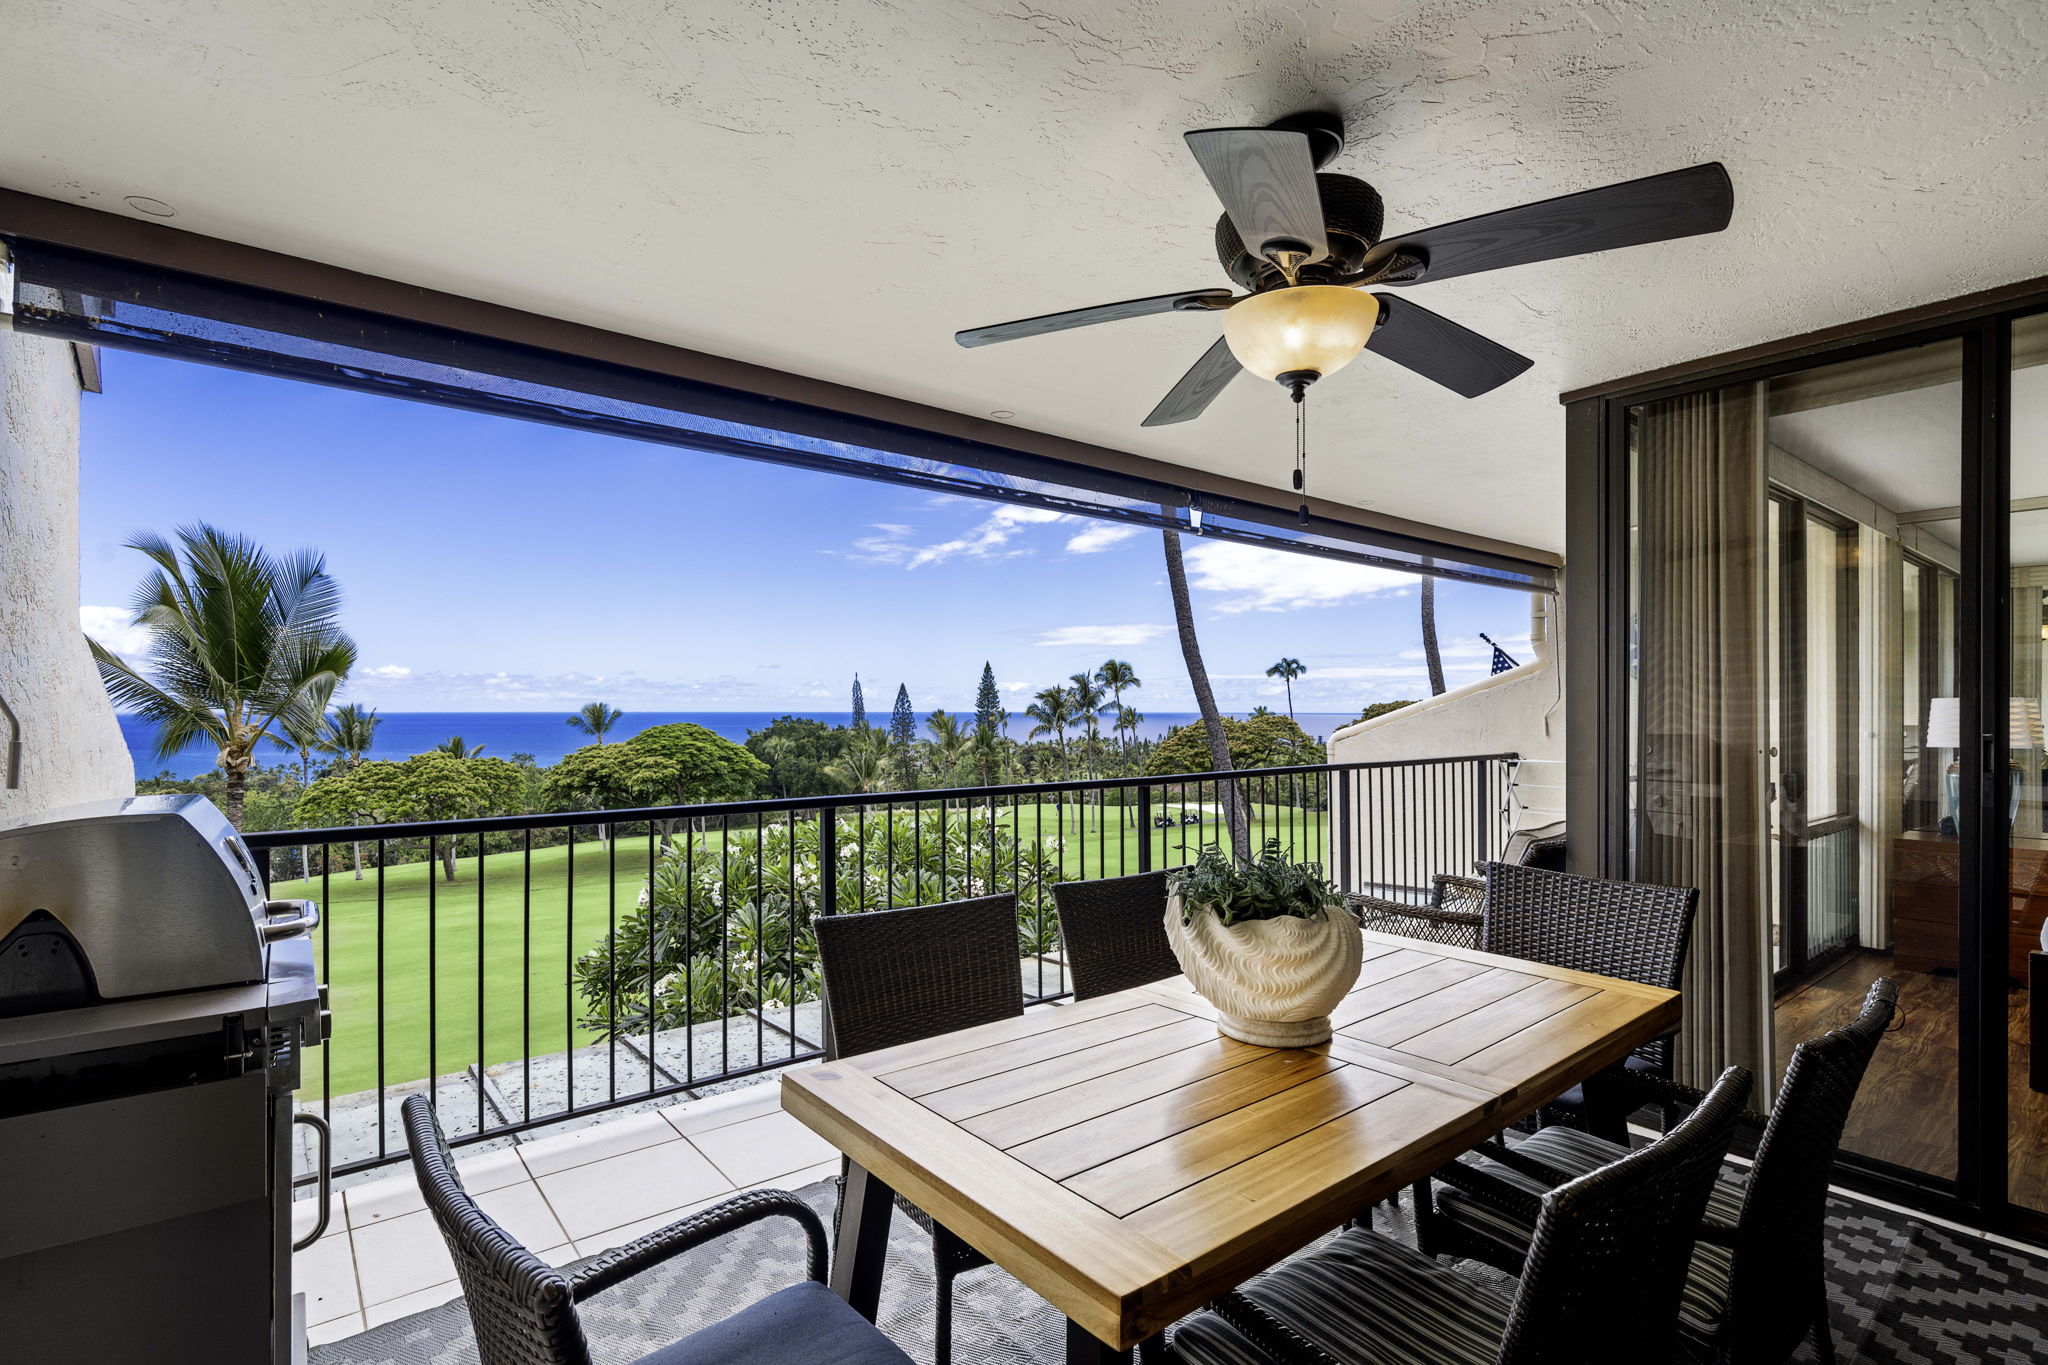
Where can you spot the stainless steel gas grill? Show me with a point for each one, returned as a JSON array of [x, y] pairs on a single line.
[[154, 1003]]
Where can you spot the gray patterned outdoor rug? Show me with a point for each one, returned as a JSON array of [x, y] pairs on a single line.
[[1904, 1293]]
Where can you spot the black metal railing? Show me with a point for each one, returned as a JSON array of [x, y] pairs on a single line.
[[530, 968]]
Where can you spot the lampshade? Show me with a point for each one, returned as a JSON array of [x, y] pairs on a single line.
[[1944, 723], [1315, 327]]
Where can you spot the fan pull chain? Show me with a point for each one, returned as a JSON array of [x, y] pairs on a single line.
[[1301, 452]]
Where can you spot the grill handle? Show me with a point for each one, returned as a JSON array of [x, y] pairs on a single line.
[[326, 1177], [289, 919]]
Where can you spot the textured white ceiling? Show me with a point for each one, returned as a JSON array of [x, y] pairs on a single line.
[[834, 187]]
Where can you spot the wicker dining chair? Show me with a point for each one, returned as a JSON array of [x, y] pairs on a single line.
[[898, 976], [1114, 932], [1451, 913], [1600, 1284], [1757, 1282], [1633, 930], [524, 1310]]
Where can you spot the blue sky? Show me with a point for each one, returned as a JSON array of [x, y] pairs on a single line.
[[490, 564]]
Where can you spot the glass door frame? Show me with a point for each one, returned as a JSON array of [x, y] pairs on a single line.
[[1598, 645], [1795, 830]]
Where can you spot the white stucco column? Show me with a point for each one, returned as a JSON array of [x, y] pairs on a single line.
[[71, 748]]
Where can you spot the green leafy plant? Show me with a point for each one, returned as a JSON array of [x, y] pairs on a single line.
[[1271, 886]]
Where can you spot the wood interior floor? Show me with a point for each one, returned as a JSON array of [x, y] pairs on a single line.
[[1906, 1111]]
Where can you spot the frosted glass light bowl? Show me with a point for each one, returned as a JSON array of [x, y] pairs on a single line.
[[1273, 981]]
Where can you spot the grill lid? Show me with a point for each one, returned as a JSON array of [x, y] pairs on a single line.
[[157, 893]]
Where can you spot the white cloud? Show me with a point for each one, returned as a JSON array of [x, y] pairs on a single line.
[[382, 673], [990, 538], [1101, 536], [1108, 636], [1016, 687], [1254, 578], [110, 626]]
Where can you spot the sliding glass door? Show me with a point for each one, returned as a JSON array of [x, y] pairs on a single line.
[[1809, 643], [1795, 546]]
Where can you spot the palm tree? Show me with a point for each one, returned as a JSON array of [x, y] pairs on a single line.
[[305, 732], [1430, 654], [1116, 675], [455, 748], [1287, 670], [1053, 710], [949, 741], [1234, 814], [1089, 702], [242, 644], [351, 732], [595, 719], [864, 764], [986, 745]]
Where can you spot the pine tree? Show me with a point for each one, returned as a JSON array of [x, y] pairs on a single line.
[[903, 737], [988, 704], [860, 706]]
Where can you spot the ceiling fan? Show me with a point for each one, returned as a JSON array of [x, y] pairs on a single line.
[[1302, 242]]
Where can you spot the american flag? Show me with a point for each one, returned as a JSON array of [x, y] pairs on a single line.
[[1502, 660]]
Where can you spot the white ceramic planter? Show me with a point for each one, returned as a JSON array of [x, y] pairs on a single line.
[[1272, 981]]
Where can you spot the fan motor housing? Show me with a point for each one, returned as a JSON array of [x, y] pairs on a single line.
[[1352, 218]]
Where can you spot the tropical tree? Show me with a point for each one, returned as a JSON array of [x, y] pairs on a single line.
[[860, 705], [1268, 741], [863, 766], [948, 743], [596, 720], [988, 747], [1117, 675], [717, 936], [429, 786], [351, 732], [1236, 818], [1430, 653], [667, 765], [798, 751], [1089, 701], [454, 747], [1287, 670], [304, 732], [242, 644], [1053, 710], [903, 738]]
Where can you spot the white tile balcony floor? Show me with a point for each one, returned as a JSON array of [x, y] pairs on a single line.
[[566, 1197]]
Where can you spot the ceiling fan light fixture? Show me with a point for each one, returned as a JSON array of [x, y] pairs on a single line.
[[1319, 328]]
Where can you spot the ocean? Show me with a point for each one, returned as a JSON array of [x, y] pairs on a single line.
[[547, 736]]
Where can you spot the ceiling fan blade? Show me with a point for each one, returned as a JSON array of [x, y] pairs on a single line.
[[1436, 348], [1266, 178], [1088, 317], [1197, 388], [1656, 208]]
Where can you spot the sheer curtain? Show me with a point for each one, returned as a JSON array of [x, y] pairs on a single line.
[[1699, 722]]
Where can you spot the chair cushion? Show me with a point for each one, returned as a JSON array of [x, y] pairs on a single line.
[[1362, 1297], [1705, 1302], [805, 1322]]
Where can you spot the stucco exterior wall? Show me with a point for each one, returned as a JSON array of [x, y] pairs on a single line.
[[71, 745], [1520, 711]]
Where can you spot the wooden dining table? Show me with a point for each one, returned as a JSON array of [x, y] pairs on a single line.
[[1127, 1163]]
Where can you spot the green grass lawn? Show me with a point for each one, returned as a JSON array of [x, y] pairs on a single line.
[[528, 933]]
